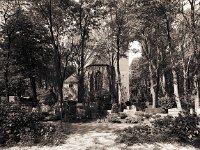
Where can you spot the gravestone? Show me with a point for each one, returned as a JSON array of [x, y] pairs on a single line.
[[174, 112], [130, 111]]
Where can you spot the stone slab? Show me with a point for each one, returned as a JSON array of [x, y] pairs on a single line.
[[197, 111], [129, 113], [174, 112]]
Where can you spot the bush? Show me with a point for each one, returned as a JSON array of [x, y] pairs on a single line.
[[115, 108], [134, 119], [146, 115], [123, 115], [19, 126], [184, 127], [113, 118], [133, 135], [166, 103], [139, 113], [168, 129]]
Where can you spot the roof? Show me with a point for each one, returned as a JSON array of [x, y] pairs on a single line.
[[99, 59], [72, 79]]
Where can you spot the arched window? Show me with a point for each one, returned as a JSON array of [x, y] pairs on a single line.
[[98, 81]]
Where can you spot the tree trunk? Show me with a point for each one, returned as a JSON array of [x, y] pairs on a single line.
[[176, 91], [175, 82], [6, 74], [33, 88], [83, 30], [195, 52], [119, 85], [7, 84], [163, 85], [196, 89], [57, 62], [157, 85], [153, 94], [185, 82]]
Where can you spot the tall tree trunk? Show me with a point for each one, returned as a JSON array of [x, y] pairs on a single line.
[[195, 52], [57, 62], [157, 84], [118, 67], [118, 77], [185, 82], [163, 85], [196, 100], [83, 30], [176, 91], [6, 83], [152, 90], [171, 47], [6, 73], [33, 88]]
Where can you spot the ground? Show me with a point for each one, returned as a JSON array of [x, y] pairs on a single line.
[[100, 136]]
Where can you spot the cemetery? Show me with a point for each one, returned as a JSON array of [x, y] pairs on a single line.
[[99, 74]]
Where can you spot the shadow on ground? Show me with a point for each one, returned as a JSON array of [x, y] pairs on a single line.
[[83, 128]]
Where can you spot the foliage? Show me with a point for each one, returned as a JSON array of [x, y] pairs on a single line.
[[146, 115], [166, 102], [139, 113], [47, 97], [115, 108], [133, 135], [113, 118], [123, 115], [168, 129], [134, 119], [20, 126]]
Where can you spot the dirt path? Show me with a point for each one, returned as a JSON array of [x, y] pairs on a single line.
[[100, 136]]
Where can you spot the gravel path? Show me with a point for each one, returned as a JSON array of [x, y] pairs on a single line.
[[100, 136]]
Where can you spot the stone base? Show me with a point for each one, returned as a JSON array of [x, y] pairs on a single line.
[[174, 112], [129, 113], [108, 112], [154, 110], [197, 111]]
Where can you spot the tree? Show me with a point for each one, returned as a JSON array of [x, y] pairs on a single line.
[[30, 47], [7, 9], [166, 12], [118, 38]]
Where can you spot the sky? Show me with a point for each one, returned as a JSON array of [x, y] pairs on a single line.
[[132, 55]]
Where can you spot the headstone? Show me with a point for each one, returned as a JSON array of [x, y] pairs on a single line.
[[45, 108], [197, 111], [174, 112], [12, 99], [130, 111], [108, 112]]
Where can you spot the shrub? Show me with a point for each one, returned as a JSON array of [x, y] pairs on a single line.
[[113, 118], [184, 127], [166, 102], [139, 113], [134, 119], [146, 115], [168, 129], [123, 115], [115, 108], [47, 97], [133, 135], [19, 126]]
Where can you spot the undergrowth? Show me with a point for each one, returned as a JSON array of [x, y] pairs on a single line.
[[182, 129]]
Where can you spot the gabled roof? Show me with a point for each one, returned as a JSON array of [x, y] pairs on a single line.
[[71, 79]]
